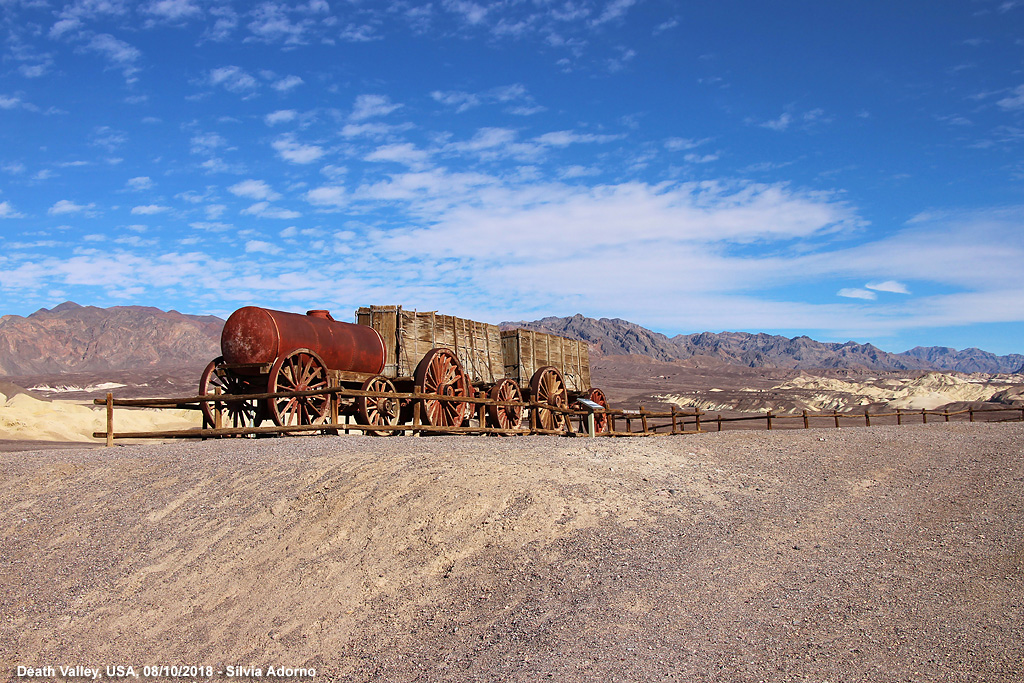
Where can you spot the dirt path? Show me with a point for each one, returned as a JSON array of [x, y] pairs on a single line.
[[881, 554]]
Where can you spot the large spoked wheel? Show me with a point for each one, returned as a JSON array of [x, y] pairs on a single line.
[[381, 410], [547, 386], [505, 417], [440, 372], [600, 419], [226, 413], [300, 370]]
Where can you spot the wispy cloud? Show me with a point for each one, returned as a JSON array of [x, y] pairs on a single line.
[[149, 210], [254, 189], [233, 78], [66, 206], [8, 211], [265, 210], [891, 286], [296, 152], [1014, 101], [371, 106]]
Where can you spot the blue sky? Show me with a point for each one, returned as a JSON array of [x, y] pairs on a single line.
[[845, 170]]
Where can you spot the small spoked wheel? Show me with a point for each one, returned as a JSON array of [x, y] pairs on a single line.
[[600, 419], [440, 372], [547, 386], [300, 370], [234, 414], [505, 417], [380, 410]]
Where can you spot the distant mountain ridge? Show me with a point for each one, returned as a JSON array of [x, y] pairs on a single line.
[[74, 338], [615, 336]]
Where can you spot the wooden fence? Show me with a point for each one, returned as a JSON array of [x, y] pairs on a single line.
[[620, 422]]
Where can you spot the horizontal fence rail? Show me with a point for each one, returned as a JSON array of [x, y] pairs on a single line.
[[620, 422]]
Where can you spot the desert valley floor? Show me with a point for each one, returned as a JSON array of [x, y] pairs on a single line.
[[861, 554]]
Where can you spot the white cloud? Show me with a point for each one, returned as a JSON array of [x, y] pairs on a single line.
[[10, 101], [1014, 101], [254, 189], [272, 24], [564, 138], [374, 129], [360, 33], [206, 143], [66, 206], [117, 52], [700, 158], [613, 10], [328, 195], [261, 247], [369, 106], [402, 153], [173, 10], [140, 183], [295, 152], [265, 210], [234, 79], [471, 12], [854, 293], [280, 116], [684, 144], [149, 210], [287, 83], [8, 211], [781, 123], [497, 143], [505, 94], [891, 286]]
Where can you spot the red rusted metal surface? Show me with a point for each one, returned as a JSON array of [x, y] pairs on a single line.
[[262, 335]]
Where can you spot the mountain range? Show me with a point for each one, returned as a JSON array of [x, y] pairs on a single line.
[[615, 336], [74, 338]]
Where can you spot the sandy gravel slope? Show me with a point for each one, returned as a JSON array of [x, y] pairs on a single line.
[[881, 554]]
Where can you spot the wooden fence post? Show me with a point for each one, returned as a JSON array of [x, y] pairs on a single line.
[[110, 419], [867, 418], [970, 413], [835, 415], [643, 417], [769, 419], [806, 424], [945, 414], [924, 416], [899, 416], [416, 408], [696, 419], [719, 422], [673, 418]]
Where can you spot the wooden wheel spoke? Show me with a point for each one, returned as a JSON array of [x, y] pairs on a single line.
[[301, 370], [439, 372]]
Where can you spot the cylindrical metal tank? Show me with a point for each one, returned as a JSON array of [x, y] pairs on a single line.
[[261, 335]]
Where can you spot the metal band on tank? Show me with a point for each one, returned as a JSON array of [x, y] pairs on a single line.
[[383, 354]]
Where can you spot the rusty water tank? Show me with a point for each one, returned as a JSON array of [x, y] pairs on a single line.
[[262, 335]]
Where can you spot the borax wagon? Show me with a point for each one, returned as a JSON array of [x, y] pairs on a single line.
[[389, 353]]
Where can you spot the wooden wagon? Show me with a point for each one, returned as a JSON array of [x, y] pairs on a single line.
[[410, 352]]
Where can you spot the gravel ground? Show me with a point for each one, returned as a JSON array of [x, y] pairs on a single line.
[[861, 554]]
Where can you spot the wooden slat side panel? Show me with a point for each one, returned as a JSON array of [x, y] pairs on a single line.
[[386, 324], [510, 354], [585, 365]]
